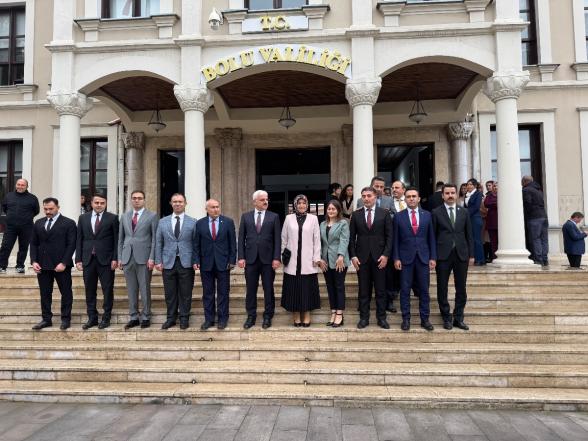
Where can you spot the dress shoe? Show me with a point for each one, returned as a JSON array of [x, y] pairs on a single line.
[[383, 324], [249, 322], [362, 324], [337, 325], [427, 325], [204, 326], [20, 269], [306, 325], [168, 324], [266, 323], [460, 325], [104, 324], [297, 324], [145, 324], [184, 324], [132, 324], [64, 326], [90, 324], [42, 324], [447, 325], [405, 326], [221, 325]]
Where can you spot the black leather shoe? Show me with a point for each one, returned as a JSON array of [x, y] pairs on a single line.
[[447, 325], [383, 324], [204, 326], [168, 324], [104, 324], [145, 324], [221, 325], [132, 324], [249, 322], [460, 325], [362, 324], [405, 326], [64, 326], [184, 325], [90, 324], [427, 325], [42, 324], [267, 323], [391, 308]]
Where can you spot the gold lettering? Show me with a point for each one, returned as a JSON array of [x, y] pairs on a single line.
[[310, 56], [333, 61], [233, 66], [288, 54], [265, 53], [323, 58], [301, 54], [276, 55], [247, 58], [222, 67], [265, 23], [280, 23], [344, 63], [209, 73]]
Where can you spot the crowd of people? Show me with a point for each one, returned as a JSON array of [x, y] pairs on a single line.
[[393, 241]]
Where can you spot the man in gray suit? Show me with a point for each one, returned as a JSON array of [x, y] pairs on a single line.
[[136, 251], [174, 256]]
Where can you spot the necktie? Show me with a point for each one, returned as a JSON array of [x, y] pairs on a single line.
[[369, 218], [97, 223], [258, 223], [213, 230], [135, 220], [48, 227], [415, 226], [177, 228], [451, 216]]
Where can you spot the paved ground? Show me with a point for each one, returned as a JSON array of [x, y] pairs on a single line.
[[81, 422]]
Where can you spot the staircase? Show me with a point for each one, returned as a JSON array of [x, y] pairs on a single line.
[[527, 348]]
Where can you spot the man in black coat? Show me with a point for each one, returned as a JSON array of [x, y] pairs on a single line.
[[536, 224], [370, 245], [259, 253], [20, 207], [96, 255], [455, 251], [53, 243]]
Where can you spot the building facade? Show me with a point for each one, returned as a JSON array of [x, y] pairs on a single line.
[[117, 95]]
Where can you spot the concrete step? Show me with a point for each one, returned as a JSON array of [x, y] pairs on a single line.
[[295, 394]]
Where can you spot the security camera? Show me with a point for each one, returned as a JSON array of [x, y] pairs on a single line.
[[215, 19]]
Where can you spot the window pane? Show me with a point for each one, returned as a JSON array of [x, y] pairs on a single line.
[[4, 53], [3, 75], [493, 155], [4, 25], [19, 50], [526, 168], [524, 4], [100, 180], [149, 7], [293, 3], [3, 159], [17, 73], [18, 159], [101, 155], [121, 8], [20, 23], [525, 16], [85, 155], [85, 177], [525, 144], [261, 4], [585, 22], [494, 171]]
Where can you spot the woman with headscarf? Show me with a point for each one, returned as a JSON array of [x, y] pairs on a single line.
[[301, 236]]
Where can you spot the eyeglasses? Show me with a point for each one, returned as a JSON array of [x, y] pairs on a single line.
[[137, 199]]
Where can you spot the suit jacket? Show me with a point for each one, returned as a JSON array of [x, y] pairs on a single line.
[[266, 245], [311, 244], [435, 200], [217, 253], [50, 248], [386, 203], [448, 236], [336, 244], [408, 246], [573, 239], [104, 242], [473, 204], [167, 247], [374, 242], [139, 243], [491, 203]]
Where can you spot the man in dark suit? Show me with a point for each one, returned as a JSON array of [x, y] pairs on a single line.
[[455, 251], [215, 255], [414, 253], [96, 255], [574, 245], [370, 244], [259, 253], [53, 243], [436, 199]]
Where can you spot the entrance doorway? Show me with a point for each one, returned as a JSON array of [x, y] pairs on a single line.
[[412, 164], [285, 173]]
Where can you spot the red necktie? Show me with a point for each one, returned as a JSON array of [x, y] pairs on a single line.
[[213, 230], [134, 221], [369, 219], [415, 226], [97, 223]]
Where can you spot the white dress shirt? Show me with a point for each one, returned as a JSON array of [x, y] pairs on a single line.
[[94, 215], [397, 204], [416, 212], [53, 221], [365, 212], [256, 213], [449, 211], [173, 220], [139, 213]]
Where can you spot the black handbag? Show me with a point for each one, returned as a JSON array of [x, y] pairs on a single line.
[[286, 254]]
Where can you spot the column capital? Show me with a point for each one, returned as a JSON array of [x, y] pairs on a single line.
[[230, 137], [133, 140], [69, 103], [363, 91], [193, 97], [505, 85], [460, 130]]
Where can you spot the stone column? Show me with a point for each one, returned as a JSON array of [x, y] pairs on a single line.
[[71, 107], [362, 95], [459, 133], [504, 90], [230, 140], [194, 100], [134, 143]]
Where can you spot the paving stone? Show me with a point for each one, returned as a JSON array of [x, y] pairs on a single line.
[[160, 423], [362, 417], [228, 417], [359, 433], [21, 432], [459, 423], [494, 426], [579, 418], [258, 424], [184, 432], [530, 427], [468, 438], [426, 424], [133, 420], [200, 414], [217, 435], [563, 426], [391, 425], [288, 435], [324, 424], [292, 418]]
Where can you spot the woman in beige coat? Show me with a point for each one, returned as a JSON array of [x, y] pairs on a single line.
[[301, 235]]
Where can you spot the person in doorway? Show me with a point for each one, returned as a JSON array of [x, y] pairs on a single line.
[[335, 190], [473, 200], [346, 200], [535, 220], [574, 239], [436, 199], [491, 204]]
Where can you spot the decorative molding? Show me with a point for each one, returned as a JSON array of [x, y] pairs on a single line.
[[505, 85], [193, 97], [92, 26], [546, 71], [26, 90], [476, 9], [581, 70], [362, 91], [460, 130], [391, 10], [315, 14], [69, 103], [231, 137], [133, 140]]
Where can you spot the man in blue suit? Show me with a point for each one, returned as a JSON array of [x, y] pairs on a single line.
[[215, 255], [573, 236], [174, 246], [415, 253]]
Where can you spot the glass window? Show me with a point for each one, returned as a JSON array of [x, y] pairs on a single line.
[[586, 22], [529, 148], [10, 166], [129, 8], [12, 43], [274, 4], [529, 35], [94, 166]]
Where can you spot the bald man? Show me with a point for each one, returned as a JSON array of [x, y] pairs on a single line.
[[215, 254]]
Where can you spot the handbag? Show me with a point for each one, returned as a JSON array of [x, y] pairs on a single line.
[[286, 254]]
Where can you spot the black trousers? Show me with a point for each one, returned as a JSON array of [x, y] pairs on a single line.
[[575, 260], [92, 273], [177, 285], [215, 295], [370, 276], [63, 279], [392, 282], [335, 281], [252, 273], [21, 232], [460, 274]]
